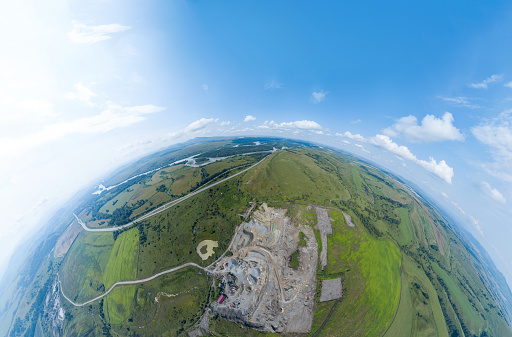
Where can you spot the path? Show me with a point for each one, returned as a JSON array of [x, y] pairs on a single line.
[[327, 318], [149, 278], [188, 264]]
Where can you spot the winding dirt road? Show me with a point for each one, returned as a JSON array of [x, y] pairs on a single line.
[[188, 264]]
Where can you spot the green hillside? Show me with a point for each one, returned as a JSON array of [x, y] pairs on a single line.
[[406, 271]]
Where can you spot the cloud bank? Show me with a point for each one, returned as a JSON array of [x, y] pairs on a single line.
[[432, 129], [440, 169]]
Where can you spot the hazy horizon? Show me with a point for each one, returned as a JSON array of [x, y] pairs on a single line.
[[424, 90]]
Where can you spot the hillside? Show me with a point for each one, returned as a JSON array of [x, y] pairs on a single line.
[[405, 269]]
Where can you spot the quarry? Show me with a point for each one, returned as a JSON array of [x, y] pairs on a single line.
[[258, 287]]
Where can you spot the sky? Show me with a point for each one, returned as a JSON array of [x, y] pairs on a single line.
[[423, 89]]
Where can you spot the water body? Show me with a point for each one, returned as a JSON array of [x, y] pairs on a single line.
[[102, 188], [190, 161]]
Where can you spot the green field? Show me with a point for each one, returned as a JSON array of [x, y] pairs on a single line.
[[122, 263], [402, 322], [397, 279], [371, 274], [85, 265], [182, 297]]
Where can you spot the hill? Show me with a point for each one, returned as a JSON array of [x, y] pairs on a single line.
[[404, 267]]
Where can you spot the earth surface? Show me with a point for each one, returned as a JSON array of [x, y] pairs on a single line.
[[254, 236]]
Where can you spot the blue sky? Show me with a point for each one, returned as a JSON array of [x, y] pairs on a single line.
[[424, 89]]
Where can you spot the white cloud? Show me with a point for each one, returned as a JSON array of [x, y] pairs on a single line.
[[112, 117], [82, 93], [508, 84], [460, 102], [497, 134], [85, 34], [347, 134], [357, 121], [224, 123], [440, 169], [205, 87], [492, 192], [317, 97], [362, 148], [485, 83], [298, 125], [387, 144], [249, 118], [432, 129], [199, 124], [273, 85]]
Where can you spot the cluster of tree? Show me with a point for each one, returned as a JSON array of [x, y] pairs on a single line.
[[142, 234], [31, 317], [232, 151]]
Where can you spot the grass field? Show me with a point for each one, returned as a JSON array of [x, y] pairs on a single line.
[[390, 262], [85, 264], [405, 230], [122, 263], [371, 273], [402, 322], [182, 297]]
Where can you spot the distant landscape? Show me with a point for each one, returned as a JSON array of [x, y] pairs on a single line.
[[406, 267]]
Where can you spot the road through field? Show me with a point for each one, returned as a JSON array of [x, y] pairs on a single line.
[[188, 264], [163, 207]]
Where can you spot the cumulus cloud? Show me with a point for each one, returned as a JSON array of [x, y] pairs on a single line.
[[508, 84], [273, 84], [432, 129], [440, 169], [224, 123], [249, 118], [81, 93], [297, 125], [85, 34], [460, 102], [317, 97], [387, 144], [112, 117], [497, 135], [485, 83], [362, 148], [199, 124], [492, 192], [347, 134]]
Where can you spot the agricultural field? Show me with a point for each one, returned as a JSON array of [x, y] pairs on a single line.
[[405, 269]]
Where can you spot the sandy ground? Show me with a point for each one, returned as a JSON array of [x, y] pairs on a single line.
[[66, 239]]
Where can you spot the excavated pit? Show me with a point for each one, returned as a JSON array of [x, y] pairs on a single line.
[[260, 289]]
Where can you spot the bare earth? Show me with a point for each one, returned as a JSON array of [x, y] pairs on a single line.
[[331, 290], [66, 239], [348, 219], [324, 226], [261, 290]]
